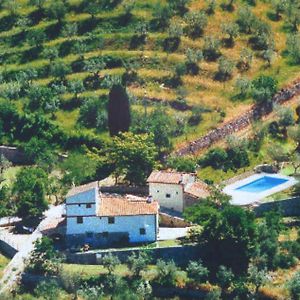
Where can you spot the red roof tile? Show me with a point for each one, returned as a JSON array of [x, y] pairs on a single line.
[[198, 189], [167, 177], [117, 206]]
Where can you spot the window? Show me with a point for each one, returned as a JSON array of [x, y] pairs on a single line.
[[111, 220], [89, 205], [89, 234], [168, 195], [79, 220], [105, 234], [142, 231]]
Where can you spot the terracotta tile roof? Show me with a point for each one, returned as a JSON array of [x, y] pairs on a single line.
[[167, 177], [198, 189], [82, 188], [117, 206]]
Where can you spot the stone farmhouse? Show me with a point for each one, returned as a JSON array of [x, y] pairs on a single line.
[[99, 220], [175, 190]]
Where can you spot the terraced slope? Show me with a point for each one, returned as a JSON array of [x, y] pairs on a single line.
[[28, 33]]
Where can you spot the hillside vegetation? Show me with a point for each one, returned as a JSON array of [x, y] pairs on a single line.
[[189, 54]]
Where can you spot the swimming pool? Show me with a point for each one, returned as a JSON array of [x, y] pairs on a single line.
[[257, 187], [262, 184]]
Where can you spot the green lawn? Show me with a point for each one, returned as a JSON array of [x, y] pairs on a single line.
[[10, 175]]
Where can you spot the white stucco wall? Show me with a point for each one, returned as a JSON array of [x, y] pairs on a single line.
[[77, 205], [130, 224], [159, 192]]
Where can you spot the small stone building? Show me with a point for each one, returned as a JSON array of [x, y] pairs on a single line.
[[175, 190], [100, 220]]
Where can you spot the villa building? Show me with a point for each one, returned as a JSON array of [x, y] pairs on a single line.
[[99, 220], [175, 190]]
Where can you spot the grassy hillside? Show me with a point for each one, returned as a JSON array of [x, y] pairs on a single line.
[[133, 44]]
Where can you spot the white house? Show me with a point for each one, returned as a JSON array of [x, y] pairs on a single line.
[[175, 190], [99, 220]]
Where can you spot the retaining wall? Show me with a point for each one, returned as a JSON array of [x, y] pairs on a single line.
[[180, 254], [239, 123], [7, 249], [288, 208]]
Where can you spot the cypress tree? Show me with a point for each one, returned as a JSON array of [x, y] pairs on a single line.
[[118, 110]]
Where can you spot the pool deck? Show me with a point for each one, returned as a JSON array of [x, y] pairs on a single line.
[[247, 198]]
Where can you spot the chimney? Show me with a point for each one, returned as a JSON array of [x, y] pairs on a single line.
[[150, 199]]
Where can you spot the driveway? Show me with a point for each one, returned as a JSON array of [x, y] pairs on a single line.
[[167, 233]]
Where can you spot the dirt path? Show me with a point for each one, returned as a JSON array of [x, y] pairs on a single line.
[[13, 271], [238, 124]]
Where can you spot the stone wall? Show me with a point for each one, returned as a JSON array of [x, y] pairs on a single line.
[[180, 254], [239, 123], [13, 154], [288, 207], [166, 220]]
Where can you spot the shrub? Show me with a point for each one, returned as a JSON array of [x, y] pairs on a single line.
[[211, 6], [110, 262], [294, 286], [182, 164], [293, 47], [264, 88], [215, 158], [47, 289], [166, 273], [197, 272], [243, 85], [179, 6]]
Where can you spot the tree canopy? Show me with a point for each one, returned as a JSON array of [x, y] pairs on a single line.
[[30, 190]]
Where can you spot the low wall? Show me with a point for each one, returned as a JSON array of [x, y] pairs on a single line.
[[124, 189], [180, 254], [166, 220], [6, 249], [288, 207]]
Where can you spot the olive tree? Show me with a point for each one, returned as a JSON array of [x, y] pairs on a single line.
[[231, 30], [196, 22], [225, 68], [293, 47], [211, 49]]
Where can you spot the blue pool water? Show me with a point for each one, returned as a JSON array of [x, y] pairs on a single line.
[[262, 184]]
